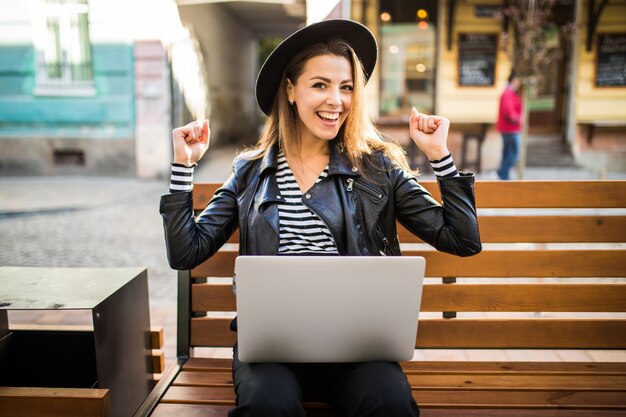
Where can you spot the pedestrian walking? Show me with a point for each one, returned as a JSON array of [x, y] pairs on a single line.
[[509, 125]]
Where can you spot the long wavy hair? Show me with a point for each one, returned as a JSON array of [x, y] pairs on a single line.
[[358, 136]]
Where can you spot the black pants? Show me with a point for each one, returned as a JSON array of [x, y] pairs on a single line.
[[370, 389]]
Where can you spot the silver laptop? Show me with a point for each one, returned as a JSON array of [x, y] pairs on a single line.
[[327, 308]]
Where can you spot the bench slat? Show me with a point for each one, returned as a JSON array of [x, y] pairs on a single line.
[[441, 398], [453, 367], [471, 297], [497, 194], [525, 297], [54, 402], [532, 264], [198, 410], [541, 333], [202, 364], [507, 412], [522, 333], [513, 368], [487, 264], [543, 229], [458, 380], [551, 194], [517, 382]]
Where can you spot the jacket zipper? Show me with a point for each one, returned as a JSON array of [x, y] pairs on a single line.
[[364, 187], [376, 194]]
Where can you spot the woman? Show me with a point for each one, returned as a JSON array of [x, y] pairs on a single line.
[[320, 182]]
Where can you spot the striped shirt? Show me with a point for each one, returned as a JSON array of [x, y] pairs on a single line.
[[444, 167], [182, 178], [301, 231]]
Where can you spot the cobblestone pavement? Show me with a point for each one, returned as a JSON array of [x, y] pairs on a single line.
[[95, 222], [111, 222]]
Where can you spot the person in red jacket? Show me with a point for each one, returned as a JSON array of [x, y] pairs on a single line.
[[509, 125]]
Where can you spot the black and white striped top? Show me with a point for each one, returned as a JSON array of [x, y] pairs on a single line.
[[181, 178], [301, 230], [444, 167]]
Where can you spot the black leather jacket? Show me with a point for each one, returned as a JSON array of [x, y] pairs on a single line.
[[360, 211]]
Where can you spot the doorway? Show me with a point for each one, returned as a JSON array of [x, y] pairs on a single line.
[[547, 109]]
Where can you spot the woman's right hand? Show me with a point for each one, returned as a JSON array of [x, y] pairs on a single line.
[[190, 142]]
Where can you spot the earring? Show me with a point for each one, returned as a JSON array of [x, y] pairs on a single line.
[[290, 102]]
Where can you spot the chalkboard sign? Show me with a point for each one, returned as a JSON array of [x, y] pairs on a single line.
[[611, 60], [487, 10], [477, 59]]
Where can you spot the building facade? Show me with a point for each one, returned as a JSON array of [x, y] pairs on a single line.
[[94, 87], [447, 57], [85, 88]]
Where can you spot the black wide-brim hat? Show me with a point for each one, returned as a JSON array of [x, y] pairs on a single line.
[[359, 37]]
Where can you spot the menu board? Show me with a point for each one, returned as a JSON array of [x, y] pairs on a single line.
[[477, 59], [611, 60], [489, 10]]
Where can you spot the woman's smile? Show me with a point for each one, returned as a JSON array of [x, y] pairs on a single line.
[[329, 118]]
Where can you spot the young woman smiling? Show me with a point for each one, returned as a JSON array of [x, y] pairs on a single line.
[[320, 181]]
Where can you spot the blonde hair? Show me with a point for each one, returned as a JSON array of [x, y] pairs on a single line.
[[358, 135]]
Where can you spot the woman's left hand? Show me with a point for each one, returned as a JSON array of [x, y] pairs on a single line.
[[430, 134]]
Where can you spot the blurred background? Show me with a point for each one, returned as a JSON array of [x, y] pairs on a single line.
[[94, 87]]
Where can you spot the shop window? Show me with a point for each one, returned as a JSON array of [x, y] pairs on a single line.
[[63, 49], [408, 40]]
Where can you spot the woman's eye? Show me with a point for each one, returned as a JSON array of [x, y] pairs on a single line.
[[319, 85], [347, 87]]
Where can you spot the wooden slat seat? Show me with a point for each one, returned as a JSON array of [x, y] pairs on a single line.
[[552, 275], [198, 410]]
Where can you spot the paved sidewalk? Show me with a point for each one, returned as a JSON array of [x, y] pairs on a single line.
[[95, 222], [115, 222]]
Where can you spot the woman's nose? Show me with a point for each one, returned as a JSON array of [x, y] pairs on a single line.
[[334, 97]]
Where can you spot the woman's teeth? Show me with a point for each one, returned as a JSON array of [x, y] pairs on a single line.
[[328, 116]]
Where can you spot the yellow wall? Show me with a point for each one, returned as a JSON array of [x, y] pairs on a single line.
[[467, 104], [598, 103]]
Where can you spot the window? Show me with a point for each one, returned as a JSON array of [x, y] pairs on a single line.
[[63, 49], [408, 43]]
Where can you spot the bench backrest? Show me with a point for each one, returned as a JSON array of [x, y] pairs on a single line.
[[539, 238]]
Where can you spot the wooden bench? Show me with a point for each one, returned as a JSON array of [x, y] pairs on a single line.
[[520, 298]]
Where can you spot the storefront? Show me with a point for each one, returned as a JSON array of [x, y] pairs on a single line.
[[447, 57]]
